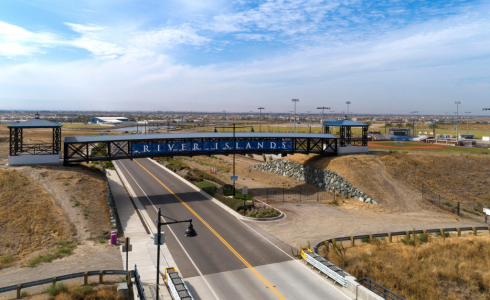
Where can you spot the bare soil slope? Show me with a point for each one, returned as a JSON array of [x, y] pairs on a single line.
[[367, 173], [81, 194], [30, 220], [396, 180]]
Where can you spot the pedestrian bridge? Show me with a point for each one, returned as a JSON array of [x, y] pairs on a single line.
[[114, 147]]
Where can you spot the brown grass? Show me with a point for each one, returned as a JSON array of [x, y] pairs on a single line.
[[461, 178], [29, 219], [457, 177], [74, 292], [451, 268]]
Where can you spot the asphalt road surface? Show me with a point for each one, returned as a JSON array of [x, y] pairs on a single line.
[[229, 258]]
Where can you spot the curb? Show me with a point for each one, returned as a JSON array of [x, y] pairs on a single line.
[[219, 203]]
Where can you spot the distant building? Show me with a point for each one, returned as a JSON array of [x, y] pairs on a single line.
[[400, 131], [108, 120]]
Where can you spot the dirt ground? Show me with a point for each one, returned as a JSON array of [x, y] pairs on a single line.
[[78, 196], [400, 205]]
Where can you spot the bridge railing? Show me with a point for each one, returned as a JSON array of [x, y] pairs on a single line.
[[177, 286]]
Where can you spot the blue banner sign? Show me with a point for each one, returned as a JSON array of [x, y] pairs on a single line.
[[155, 148]]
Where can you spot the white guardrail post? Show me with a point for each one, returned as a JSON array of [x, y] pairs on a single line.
[[324, 266], [176, 284]]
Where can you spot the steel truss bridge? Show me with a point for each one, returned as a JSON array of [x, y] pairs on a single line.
[[114, 147]]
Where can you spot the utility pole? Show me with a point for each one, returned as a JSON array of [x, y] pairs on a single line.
[[260, 121], [457, 118], [413, 121], [322, 108], [467, 113], [295, 100]]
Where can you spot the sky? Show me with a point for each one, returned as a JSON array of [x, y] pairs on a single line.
[[389, 57]]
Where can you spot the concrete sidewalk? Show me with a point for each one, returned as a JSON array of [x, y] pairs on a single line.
[[144, 253]]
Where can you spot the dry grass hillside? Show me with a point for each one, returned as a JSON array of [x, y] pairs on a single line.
[[457, 177], [30, 220], [80, 192], [431, 269], [45, 211], [395, 180]]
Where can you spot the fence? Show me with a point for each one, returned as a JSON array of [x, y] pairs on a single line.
[[459, 208], [295, 194], [53, 280], [139, 285], [389, 235]]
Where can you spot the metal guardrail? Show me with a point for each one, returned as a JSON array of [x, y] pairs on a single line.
[[139, 286], [55, 279], [442, 231], [379, 289], [324, 266], [176, 284]]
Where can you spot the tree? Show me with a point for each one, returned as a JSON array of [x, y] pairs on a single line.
[[399, 125], [387, 125], [434, 126]]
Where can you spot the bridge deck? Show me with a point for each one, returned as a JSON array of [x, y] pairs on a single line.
[[113, 147]]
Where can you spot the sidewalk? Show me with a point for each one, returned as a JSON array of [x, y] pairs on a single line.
[[144, 253]]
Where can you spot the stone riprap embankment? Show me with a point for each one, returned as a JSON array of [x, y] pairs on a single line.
[[321, 178]]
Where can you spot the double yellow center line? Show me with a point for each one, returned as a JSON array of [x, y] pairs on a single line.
[[272, 288]]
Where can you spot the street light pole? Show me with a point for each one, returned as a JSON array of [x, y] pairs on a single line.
[[457, 118], [260, 120], [322, 108], [189, 233], [467, 113], [295, 100]]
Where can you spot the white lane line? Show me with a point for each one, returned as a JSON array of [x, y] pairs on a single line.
[[331, 284], [173, 233]]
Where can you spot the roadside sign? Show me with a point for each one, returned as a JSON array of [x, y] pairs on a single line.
[[245, 190], [486, 211], [234, 178], [130, 248]]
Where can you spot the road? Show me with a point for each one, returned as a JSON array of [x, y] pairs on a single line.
[[229, 258]]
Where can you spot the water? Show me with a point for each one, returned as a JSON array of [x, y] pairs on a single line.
[[140, 128]]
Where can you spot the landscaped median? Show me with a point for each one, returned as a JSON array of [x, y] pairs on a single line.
[[245, 205]]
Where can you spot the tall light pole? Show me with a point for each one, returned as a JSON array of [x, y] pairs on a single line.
[[290, 125], [260, 118], [348, 103], [446, 119], [413, 121], [160, 239], [295, 101], [467, 113], [224, 115], [457, 118], [322, 108]]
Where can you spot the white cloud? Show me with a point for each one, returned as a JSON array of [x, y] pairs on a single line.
[[253, 37]]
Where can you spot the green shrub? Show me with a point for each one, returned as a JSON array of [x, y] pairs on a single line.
[[228, 189], [55, 289], [6, 259], [207, 186], [448, 204], [87, 289], [240, 196], [234, 204], [24, 294], [36, 260]]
